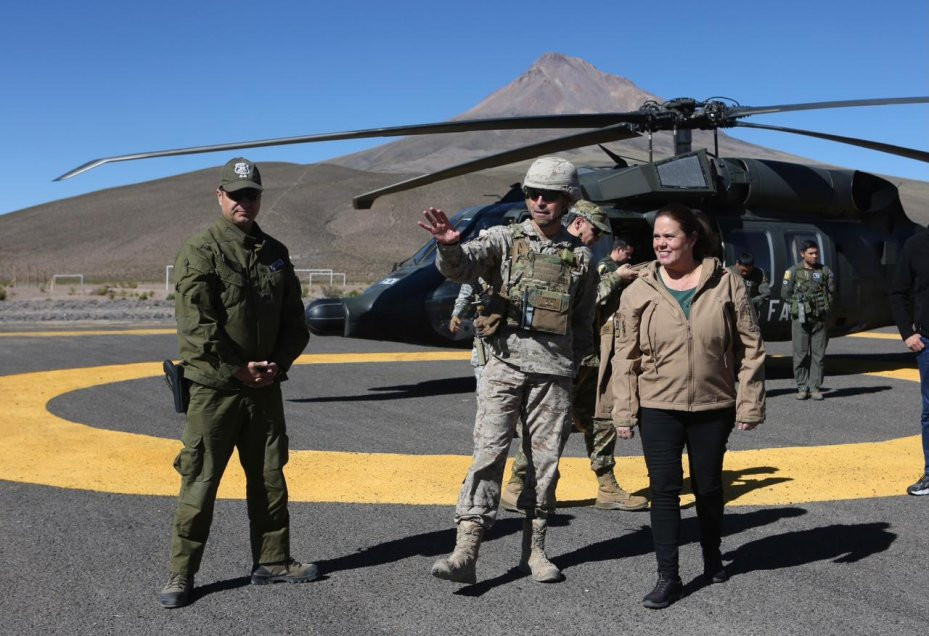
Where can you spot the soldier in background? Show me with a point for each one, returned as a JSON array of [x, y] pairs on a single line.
[[468, 295], [538, 327], [588, 222], [620, 255], [759, 292], [809, 289], [240, 326]]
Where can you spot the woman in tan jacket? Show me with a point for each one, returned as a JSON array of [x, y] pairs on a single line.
[[688, 366]]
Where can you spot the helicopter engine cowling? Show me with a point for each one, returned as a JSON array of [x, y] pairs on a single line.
[[850, 194]]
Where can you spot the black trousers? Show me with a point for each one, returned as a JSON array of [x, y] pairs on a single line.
[[665, 434]]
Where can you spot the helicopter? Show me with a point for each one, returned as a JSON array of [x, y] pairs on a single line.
[[763, 207]]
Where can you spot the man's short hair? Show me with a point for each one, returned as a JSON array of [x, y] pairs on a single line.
[[620, 243], [805, 245], [746, 259]]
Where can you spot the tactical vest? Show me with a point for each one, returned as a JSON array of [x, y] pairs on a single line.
[[811, 289], [538, 287]]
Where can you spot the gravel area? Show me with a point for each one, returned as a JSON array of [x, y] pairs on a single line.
[[85, 309]]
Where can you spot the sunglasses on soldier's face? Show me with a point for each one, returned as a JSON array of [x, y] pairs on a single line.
[[245, 195], [549, 196]]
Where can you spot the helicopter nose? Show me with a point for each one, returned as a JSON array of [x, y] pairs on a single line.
[[326, 317]]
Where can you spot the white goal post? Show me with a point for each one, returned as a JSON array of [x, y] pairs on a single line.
[[321, 273], [56, 277], [324, 273]]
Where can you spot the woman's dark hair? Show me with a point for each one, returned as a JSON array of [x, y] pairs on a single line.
[[693, 224]]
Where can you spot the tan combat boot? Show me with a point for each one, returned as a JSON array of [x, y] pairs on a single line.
[[610, 496], [533, 559], [510, 494], [459, 566]]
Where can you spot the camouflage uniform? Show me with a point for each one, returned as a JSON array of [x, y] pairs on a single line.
[[462, 307], [529, 371], [810, 293], [599, 432], [237, 300]]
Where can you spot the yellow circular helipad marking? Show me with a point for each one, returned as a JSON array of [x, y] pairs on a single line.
[[40, 448]]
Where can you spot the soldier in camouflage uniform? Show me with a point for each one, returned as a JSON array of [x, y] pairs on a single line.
[[537, 327], [809, 289], [463, 307], [759, 292], [588, 222], [240, 326]]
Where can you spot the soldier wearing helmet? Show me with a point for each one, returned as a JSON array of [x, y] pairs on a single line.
[[538, 327]]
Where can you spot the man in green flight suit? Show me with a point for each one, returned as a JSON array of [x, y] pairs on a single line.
[[240, 325], [809, 289], [759, 292], [586, 221]]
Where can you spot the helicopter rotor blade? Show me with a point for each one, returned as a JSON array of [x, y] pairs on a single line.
[[589, 138], [911, 153], [592, 120], [744, 111]]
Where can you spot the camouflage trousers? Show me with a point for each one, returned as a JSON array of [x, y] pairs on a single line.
[[505, 394], [251, 420], [599, 434]]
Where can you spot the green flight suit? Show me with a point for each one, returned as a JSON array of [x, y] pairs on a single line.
[[237, 299], [810, 294]]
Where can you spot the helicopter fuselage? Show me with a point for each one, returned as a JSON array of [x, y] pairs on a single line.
[[766, 208]]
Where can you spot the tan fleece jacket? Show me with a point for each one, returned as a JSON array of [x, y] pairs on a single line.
[[663, 360]]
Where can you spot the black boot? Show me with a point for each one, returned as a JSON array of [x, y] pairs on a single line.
[[713, 569], [667, 590]]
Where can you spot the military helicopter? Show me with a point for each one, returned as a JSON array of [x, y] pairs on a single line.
[[764, 207]]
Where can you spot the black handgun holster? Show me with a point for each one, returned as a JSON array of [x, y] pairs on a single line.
[[180, 387]]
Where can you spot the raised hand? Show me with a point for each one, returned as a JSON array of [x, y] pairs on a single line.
[[438, 225]]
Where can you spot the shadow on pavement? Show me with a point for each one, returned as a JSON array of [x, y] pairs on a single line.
[[834, 393], [639, 542], [429, 388], [839, 543], [219, 586], [435, 543], [781, 368]]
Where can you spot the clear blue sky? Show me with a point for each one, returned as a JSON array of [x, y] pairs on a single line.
[[84, 80]]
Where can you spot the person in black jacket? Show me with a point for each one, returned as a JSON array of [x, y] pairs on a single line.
[[909, 302]]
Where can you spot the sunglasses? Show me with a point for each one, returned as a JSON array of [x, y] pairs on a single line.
[[549, 196], [245, 195]]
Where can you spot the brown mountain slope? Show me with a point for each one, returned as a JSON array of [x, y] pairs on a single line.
[[132, 232]]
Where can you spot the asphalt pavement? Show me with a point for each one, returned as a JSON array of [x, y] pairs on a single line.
[[79, 561]]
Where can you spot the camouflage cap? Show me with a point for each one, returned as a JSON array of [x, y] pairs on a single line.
[[239, 174], [592, 213]]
